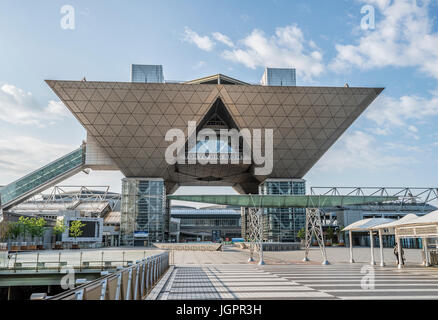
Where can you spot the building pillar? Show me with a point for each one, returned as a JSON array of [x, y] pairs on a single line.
[[399, 248], [283, 224], [314, 227], [382, 260], [373, 262], [350, 237], [144, 211], [426, 254]]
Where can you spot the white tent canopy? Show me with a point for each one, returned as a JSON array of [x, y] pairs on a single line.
[[367, 224], [423, 227], [410, 226], [406, 219], [428, 219]]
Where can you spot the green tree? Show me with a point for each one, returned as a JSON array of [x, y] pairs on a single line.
[[76, 229], [59, 228], [14, 230], [39, 227], [32, 227], [24, 226], [301, 234], [330, 233], [4, 234]]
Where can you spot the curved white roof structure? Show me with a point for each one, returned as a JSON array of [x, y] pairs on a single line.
[[430, 218], [406, 219], [367, 224]]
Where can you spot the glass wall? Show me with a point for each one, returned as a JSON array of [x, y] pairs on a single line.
[[147, 73], [283, 224], [279, 77], [144, 214]]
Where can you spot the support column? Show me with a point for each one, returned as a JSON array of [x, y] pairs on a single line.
[[426, 254], [373, 262], [260, 218], [350, 237], [399, 248], [283, 224], [382, 260], [307, 240], [255, 224], [144, 214], [314, 227]]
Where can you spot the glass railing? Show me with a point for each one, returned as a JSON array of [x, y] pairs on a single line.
[[42, 176]]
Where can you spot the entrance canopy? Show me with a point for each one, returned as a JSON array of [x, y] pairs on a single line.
[[390, 227], [284, 201], [422, 227], [430, 218], [366, 225]]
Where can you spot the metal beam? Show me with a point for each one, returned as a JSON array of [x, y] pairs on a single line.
[[281, 201]]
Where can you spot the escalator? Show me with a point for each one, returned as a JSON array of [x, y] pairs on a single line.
[[43, 178]]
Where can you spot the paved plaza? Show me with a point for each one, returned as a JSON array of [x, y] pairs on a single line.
[[234, 255], [227, 275]]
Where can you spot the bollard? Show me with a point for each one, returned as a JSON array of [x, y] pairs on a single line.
[[143, 277], [59, 262], [80, 261], [38, 258]]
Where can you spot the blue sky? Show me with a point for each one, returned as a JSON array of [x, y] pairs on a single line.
[[394, 143]]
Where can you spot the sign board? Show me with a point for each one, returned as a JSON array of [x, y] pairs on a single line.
[[141, 234], [92, 231]]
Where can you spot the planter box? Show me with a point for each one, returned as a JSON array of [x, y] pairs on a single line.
[[32, 247], [75, 246], [40, 246], [15, 248]]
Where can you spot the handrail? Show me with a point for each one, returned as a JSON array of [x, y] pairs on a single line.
[[131, 283]]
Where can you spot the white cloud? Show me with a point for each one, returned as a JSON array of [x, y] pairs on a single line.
[[22, 154], [204, 43], [403, 37], [390, 112], [199, 65], [288, 48], [56, 108], [359, 150], [20, 107], [223, 38]]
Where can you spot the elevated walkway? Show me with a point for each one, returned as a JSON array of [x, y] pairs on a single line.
[[43, 178]]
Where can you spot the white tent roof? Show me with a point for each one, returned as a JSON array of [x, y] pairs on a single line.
[[407, 218], [430, 218], [366, 224]]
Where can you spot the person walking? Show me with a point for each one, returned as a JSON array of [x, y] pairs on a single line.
[[397, 255]]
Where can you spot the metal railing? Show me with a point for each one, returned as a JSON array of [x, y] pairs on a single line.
[[132, 283], [77, 260]]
